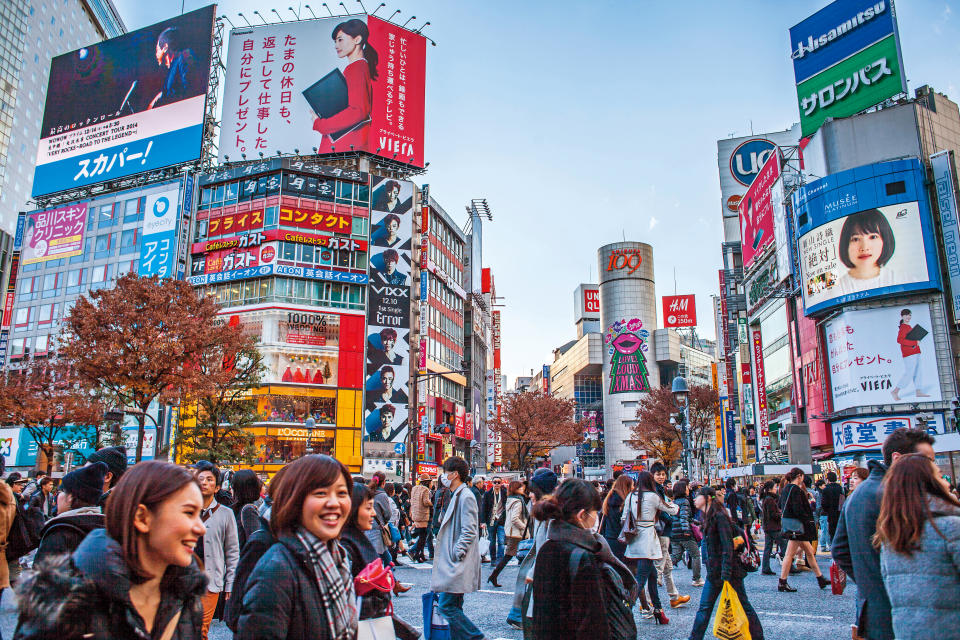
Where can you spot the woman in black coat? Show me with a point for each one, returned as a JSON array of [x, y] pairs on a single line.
[[136, 579], [354, 541], [723, 564], [613, 515], [564, 605], [796, 505], [302, 587]]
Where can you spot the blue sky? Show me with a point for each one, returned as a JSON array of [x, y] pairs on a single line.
[[584, 123]]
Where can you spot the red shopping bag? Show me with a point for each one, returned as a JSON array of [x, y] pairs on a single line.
[[838, 579]]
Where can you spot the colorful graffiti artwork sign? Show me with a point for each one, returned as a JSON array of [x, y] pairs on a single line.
[[627, 342]]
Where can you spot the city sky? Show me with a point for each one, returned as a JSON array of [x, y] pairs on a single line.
[[587, 123]]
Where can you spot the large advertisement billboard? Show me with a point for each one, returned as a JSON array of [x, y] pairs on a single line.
[[680, 311], [387, 385], [339, 84], [846, 58], [54, 234], [756, 211], [882, 356], [864, 233], [126, 105], [945, 182]]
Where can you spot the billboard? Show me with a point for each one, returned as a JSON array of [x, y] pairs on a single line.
[[864, 233], [680, 311], [54, 233], [339, 84], [763, 422], [945, 182], [868, 433], [126, 105], [627, 343], [387, 385], [739, 160], [756, 211], [158, 250], [846, 58], [882, 356]]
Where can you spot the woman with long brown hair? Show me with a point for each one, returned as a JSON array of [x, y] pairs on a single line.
[[612, 511], [138, 578], [797, 510], [918, 532], [516, 529]]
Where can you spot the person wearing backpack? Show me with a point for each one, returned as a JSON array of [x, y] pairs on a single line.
[[723, 564], [77, 511], [580, 590], [8, 510]]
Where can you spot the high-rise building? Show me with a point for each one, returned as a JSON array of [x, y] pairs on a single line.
[[32, 32]]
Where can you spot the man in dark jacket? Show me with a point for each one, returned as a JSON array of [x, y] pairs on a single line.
[[831, 501], [853, 549], [493, 513], [77, 511], [732, 502]]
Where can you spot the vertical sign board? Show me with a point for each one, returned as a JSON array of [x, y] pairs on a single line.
[[497, 384], [158, 251], [756, 211], [731, 439], [546, 379], [762, 418], [386, 389], [946, 187]]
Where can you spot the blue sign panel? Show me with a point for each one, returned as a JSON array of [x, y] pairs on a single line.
[[836, 32], [865, 233], [280, 270], [158, 249], [731, 430]]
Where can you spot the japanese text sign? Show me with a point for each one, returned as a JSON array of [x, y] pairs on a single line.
[[54, 233], [868, 433], [316, 220], [158, 250], [945, 182]]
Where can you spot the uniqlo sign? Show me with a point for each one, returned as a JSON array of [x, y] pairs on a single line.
[[679, 311], [591, 300]]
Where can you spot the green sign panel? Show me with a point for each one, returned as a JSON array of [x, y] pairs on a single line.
[[861, 81]]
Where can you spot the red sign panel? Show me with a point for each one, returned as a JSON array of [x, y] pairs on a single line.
[[460, 423], [316, 220], [762, 421], [235, 223], [679, 311], [756, 211], [253, 239], [591, 300]]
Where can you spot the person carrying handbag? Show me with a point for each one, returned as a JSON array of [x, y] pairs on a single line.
[[643, 541], [798, 527], [516, 527]]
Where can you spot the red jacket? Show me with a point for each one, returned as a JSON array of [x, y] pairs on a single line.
[[359, 105], [907, 347]]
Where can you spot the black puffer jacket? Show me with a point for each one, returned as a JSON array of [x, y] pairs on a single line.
[[722, 562], [770, 508], [87, 595], [682, 521], [361, 553], [64, 533], [282, 600]]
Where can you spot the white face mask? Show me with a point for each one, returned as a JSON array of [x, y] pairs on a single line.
[[445, 480]]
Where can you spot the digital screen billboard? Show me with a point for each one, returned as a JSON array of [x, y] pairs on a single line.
[[54, 233], [126, 105], [846, 58], [339, 84], [882, 356], [756, 211], [865, 233]]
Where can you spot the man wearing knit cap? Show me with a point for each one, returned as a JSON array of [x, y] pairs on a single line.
[[545, 479], [116, 460], [77, 511]]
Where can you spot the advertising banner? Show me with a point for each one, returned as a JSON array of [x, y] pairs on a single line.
[[868, 433], [591, 301], [329, 275], [763, 422], [863, 236], [731, 438], [54, 234], [126, 105], [680, 311], [781, 230], [740, 160], [861, 81], [946, 186], [882, 356], [627, 342], [338, 84], [756, 211], [387, 385], [158, 249]]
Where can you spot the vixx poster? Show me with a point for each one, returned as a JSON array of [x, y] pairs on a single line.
[[387, 385]]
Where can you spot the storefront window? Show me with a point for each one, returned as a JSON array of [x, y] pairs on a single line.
[[277, 408], [290, 445]]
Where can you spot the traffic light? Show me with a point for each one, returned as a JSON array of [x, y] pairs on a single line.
[[443, 428]]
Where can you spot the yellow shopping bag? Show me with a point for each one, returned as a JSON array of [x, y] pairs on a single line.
[[731, 621]]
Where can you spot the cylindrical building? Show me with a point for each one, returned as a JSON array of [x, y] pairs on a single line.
[[628, 317]]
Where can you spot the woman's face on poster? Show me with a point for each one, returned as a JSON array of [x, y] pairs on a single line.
[[865, 248], [907, 318], [345, 44]]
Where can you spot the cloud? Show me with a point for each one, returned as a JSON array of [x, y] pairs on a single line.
[[653, 222]]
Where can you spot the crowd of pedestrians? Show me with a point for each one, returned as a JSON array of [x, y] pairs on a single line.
[[159, 551]]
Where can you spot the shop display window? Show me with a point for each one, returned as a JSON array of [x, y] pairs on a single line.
[[277, 408]]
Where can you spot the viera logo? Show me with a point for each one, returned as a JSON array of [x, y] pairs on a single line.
[[845, 27], [901, 214], [875, 385]]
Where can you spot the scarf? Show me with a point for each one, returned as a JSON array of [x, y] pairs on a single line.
[[335, 583]]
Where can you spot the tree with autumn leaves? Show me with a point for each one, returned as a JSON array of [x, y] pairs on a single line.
[[50, 404], [533, 423], [660, 437], [154, 340]]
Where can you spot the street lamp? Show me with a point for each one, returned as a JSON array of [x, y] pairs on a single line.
[[680, 395]]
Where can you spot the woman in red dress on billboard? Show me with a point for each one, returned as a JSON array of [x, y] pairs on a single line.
[[350, 39], [910, 351]]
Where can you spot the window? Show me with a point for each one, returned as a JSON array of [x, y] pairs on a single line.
[[201, 233], [270, 216], [133, 210], [47, 314], [87, 248], [130, 241], [306, 253], [50, 284], [288, 251], [22, 317], [105, 216], [75, 279], [18, 348], [127, 266], [43, 344], [105, 245]]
